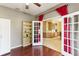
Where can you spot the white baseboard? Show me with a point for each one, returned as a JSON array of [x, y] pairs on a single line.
[[20, 46], [50, 47], [26, 45], [13, 48], [16, 46], [2, 53]]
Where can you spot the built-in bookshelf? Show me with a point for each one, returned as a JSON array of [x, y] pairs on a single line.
[[27, 33], [70, 39]]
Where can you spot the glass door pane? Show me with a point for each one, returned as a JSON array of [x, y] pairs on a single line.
[[65, 48], [69, 50], [65, 34], [76, 18], [69, 20], [76, 35], [65, 41], [65, 27], [76, 44], [76, 52], [65, 20], [76, 27], [69, 35]]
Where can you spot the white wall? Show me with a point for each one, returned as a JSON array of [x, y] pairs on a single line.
[[16, 23]]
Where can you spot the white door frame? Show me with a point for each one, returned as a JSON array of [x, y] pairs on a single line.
[[56, 18]]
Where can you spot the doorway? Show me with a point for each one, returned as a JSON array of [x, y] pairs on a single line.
[[52, 33]]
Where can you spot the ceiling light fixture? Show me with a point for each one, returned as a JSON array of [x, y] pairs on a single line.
[[27, 3]]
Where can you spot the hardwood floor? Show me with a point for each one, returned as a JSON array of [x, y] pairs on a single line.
[[34, 51]]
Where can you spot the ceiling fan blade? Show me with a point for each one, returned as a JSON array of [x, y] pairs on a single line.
[[37, 4]]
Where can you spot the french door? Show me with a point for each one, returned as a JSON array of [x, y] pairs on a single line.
[[70, 34], [37, 33]]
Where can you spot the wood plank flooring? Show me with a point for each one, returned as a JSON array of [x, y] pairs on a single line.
[[34, 51]]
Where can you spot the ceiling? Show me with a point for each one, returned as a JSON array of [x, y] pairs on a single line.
[[33, 9]]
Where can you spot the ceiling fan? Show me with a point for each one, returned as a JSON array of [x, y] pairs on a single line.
[[37, 4]]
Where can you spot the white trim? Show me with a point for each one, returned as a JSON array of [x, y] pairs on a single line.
[[20, 46], [57, 17], [51, 47], [27, 45], [62, 36], [16, 46], [4, 53]]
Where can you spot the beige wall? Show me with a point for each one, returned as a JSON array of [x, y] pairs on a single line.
[[59, 26], [16, 24]]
